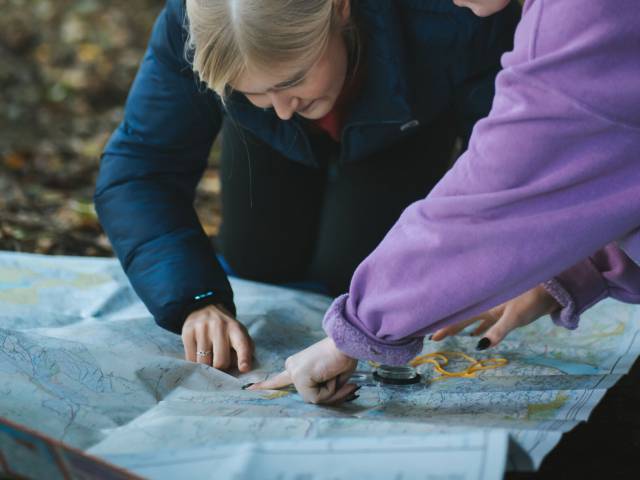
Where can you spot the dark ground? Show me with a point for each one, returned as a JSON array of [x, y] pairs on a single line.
[[65, 70], [607, 446]]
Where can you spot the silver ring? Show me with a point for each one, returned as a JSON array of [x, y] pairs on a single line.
[[204, 354]]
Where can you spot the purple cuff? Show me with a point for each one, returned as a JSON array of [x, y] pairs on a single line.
[[576, 289], [631, 245], [353, 342], [565, 317]]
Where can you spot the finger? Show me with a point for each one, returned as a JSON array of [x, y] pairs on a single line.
[[241, 343], [343, 378], [330, 387], [452, 329], [220, 340], [189, 342], [317, 392], [341, 395], [507, 322], [248, 335], [245, 332], [282, 379], [439, 335], [485, 324], [203, 344]]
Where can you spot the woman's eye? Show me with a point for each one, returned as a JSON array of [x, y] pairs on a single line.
[[295, 83]]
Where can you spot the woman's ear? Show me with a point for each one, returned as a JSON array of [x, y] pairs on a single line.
[[343, 7]]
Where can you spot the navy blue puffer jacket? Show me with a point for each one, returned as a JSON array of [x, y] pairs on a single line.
[[423, 58]]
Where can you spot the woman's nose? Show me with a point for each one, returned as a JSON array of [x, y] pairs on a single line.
[[284, 105]]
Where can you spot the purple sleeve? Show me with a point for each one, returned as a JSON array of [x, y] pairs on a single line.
[[358, 344], [607, 273], [550, 176]]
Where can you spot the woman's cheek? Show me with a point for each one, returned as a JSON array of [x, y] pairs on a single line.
[[313, 88]]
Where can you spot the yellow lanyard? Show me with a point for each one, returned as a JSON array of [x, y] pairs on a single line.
[[440, 359]]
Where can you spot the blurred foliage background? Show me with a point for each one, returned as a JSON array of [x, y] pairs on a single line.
[[65, 70]]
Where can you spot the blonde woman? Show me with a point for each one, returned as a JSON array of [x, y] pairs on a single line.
[[335, 115]]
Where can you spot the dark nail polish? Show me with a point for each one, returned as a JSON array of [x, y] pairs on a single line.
[[357, 388], [351, 397], [483, 344], [246, 385], [430, 337]]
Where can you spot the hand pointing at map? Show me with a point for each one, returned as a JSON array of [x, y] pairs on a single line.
[[497, 322], [320, 374]]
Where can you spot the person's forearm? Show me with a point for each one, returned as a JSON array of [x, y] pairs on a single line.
[[147, 180]]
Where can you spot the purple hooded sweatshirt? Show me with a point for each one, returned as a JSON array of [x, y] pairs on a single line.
[[551, 176]]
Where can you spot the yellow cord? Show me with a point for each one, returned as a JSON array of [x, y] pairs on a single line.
[[440, 359]]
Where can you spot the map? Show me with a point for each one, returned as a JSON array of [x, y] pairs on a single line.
[[81, 360]]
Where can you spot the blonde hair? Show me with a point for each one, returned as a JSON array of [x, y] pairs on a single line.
[[226, 37]]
